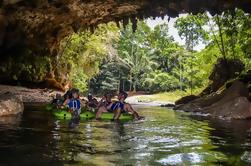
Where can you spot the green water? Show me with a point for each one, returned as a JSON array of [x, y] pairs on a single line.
[[165, 137]]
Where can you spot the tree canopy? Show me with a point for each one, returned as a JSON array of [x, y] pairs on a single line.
[[150, 60]]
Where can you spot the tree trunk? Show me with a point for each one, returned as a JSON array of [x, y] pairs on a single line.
[[233, 37], [191, 76], [221, 36], [134, 86], [118, 86], [181, 71], [123, 85], [215, 39], [130, 81], [132, 51]]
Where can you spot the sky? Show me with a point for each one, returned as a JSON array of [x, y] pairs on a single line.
[[172, 31]]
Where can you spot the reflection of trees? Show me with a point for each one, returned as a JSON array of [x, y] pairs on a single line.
[[230, 138], [164, 136], [12, 121], [92, 143], [119, 129]]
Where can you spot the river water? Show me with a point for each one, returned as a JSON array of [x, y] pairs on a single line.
[[165, 137]]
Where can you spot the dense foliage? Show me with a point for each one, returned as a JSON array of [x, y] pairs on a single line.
[[150, 60], [82, 54], [112, 58]]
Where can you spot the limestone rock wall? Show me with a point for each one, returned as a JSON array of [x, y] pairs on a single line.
[[41, 24], [36, 27]]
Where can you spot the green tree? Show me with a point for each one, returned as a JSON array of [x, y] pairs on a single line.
[[191, 29], [134, 52], [83, 52]]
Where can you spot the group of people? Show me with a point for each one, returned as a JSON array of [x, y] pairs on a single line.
[[71, 99]]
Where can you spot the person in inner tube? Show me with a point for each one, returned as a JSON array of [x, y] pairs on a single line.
[[92, 102], [118, 107], [74, 104]]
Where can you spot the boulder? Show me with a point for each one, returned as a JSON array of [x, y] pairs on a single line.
[[10, 105], [237, 108], [186, 99], [233, 104], [230, 103], [224, 70]]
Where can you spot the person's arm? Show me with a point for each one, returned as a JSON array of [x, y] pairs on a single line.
[[69, 105], [78, 104], [95, 102], [109, 106], [83, 103], [100, 103], [65, 102]]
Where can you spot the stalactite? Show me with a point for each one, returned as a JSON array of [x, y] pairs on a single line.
[[134, 23], [92, 28], [117, 21], [34, 25], [125, 21]]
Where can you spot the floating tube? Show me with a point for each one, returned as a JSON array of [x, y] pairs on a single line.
[[90, 115], [85, 115]]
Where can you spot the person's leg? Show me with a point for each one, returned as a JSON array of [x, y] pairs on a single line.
[[128, 108], [117, 114], [100, 111]]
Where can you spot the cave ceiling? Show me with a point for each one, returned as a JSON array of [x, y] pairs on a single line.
[[40, 25]]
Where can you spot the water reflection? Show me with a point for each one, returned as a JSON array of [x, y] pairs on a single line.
[[165, 137], [10, 121], [231, 138]]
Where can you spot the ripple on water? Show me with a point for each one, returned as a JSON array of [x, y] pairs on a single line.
[[192, 143], [182, 158], [164, 138]]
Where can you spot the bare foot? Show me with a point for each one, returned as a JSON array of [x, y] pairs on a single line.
[[141, 118]]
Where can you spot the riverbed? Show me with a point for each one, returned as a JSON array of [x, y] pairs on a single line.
[[165, 137]]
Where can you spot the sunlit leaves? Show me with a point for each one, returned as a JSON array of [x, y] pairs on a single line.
[[191, 29], [84, 51]]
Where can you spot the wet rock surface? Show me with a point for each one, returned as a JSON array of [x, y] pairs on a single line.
[[29, 96], [10, 105], [186, 99]]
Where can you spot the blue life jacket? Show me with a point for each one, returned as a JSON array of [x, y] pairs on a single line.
[[117, 105], [74, 104]]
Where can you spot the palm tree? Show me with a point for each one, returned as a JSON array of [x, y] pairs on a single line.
[[137, 61]]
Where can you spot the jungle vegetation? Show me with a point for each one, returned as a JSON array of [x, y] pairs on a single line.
[[150, 60], [118, 58]]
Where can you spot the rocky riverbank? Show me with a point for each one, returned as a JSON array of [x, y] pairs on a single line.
[[10, 105], [231, 103], [14, 98], [29, 96], [228, 95]]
